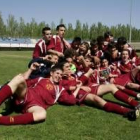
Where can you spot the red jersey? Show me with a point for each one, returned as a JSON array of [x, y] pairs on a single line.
[[40, 49], [68, 81], [45, 94], [99, 53], [123, 79], [125, 67], [58, 44], [92, 82], [71, 81], [132, 52]]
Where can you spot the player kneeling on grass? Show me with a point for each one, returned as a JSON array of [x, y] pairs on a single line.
[[35, 96]]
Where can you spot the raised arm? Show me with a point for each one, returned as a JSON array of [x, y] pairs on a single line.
[[33, 67]]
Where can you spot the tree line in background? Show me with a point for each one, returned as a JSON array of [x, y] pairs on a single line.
[[20, 29]]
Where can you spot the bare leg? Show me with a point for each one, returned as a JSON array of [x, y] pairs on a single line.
[[135, 71], [120, 87], [133, 86], [104, 89], [39, 113], [9, 89], [15, 82], [96, 100]]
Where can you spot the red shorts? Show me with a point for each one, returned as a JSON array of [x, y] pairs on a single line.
[[94, 89], [123, 79], [31, 100], [81, 96]]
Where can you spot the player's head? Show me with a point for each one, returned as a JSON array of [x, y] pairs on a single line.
[[56, 74], [47, 34]]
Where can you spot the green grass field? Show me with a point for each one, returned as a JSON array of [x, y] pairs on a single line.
[[64, 122]]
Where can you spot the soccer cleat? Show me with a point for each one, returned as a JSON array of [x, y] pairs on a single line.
[[138, 96], [132, 115], [137, 107]]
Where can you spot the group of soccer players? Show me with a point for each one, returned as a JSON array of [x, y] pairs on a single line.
[[73, 73]]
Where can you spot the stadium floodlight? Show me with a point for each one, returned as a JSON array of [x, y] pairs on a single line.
[[130, 33]]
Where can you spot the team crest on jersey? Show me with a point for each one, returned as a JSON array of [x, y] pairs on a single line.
[[49, 86]]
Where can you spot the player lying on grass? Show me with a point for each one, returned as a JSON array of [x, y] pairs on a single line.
[[35, 96], [93, 92]]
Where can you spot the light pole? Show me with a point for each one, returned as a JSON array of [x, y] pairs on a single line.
[[130, 33]]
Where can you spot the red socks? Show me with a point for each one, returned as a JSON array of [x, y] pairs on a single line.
[[5, 92], [111, 107], [130, 92], [18, 119], [125, 98]]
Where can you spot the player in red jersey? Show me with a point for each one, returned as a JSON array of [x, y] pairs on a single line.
[[123, 82], [94, 49], [41, 46], [58, 43], [35, 98], [76, 43], [125, 65], [91, 94]]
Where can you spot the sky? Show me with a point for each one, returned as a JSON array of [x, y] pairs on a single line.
[[108, 12]]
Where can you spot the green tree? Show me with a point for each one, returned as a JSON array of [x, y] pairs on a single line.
[[40, 27], [32, 29], [92, 32], [53, 28], [85, 32], [21, 28], [69, 32], [12, 26], [78, 29], [2, 26], [61, 21]]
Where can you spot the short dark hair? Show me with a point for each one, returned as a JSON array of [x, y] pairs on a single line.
[[100, 39], [55, 68], [76, 39], [93, 42], [45, 29], [69, 52], [60, 25], [107, 34], [112, 45], [61, 65], [121, 40], [102, 58]]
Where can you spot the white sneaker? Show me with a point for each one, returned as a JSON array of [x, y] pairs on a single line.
[[138, 96]]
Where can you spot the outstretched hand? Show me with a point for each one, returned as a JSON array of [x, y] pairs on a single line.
[[34, 66], [47, 57]]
